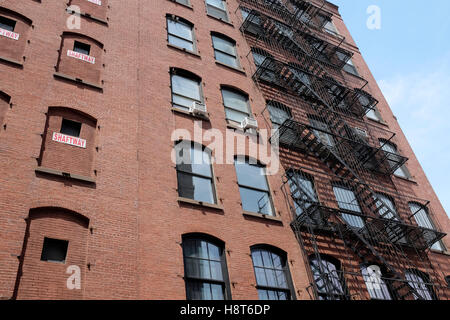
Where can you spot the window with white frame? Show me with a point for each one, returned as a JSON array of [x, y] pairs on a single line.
[[347, 201], [376, 285], [423, 219], [236, 105], [225, 51], [217, 9], [421, 283]]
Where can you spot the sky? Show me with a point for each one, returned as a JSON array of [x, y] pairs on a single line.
[[409, 57]]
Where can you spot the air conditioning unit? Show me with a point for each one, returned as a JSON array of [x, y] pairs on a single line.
[[198, 109], [249, 123]]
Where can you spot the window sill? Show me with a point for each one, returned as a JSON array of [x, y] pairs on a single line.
[[378, 122], [88, 16], [234, 126], [241, 71], [195, 54], [79, 81], [200, 203], [205, 118], [64, 174], [262, 216], [12, 61], [219, 19], [445, 253], [405, 179]]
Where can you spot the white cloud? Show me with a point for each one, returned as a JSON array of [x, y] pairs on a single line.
[[421, 102]]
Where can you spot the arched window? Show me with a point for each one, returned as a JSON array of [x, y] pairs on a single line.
[[92, 9], [236, 104], [420, 281], [194, 172], [376, 285], [328, 277], [423, 219], [205, 268], [347, 201], [273, 280], [186, 89], [447, 279], [391, 152], [180, 33], [253, 187], [14, 30], [225, 50]]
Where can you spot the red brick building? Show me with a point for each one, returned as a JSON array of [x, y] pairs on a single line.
[[93, 98]]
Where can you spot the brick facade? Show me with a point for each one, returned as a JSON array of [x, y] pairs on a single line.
[[116, 200]]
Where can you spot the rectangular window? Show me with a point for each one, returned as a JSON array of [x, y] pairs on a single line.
[[194, 171], [321, 131], [278, 114], [225, 51], [330, 28], [185, 91], [180, 33], [70, 128], [185, 2], [54, 250], [350, 68], [253, 187], [81, 47], [236, 105], [7, 24], [217, 8], [347, 201]]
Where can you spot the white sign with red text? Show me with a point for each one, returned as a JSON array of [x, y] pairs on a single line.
[[9, 34], [73, 141], [97, 2], [80, 56]]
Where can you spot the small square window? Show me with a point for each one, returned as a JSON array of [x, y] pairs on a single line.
[[7, 24], [71, 128], [54, 250], [81, 47]]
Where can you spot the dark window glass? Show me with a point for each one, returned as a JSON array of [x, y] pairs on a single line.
[[185, 91], [54, 250], [271, 275], [81, 47], [447, 279], [180, 33], [347, 201], [225, 51], [7, 24], [328, 279], [205, 270], [253, 187], [71, 128], [217, 8], [236, 105], [194, 172]]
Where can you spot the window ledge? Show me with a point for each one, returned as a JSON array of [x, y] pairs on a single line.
[[195, 54], [88, 16], [445, 253], [235, 126], [378, 122], [197, 116], [241, 71], [405, 179], [200, 203], [12, 61], [219, 19], [262, 216], [76, 80], [64, 174]]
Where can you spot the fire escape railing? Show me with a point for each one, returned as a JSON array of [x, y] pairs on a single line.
[[382, 237]]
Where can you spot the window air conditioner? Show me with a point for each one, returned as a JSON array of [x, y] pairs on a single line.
[[198, 109], [249, 123]]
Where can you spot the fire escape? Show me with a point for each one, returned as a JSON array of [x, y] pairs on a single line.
[[303, 64]]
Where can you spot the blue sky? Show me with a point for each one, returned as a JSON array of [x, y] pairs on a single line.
[[410, 59]]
